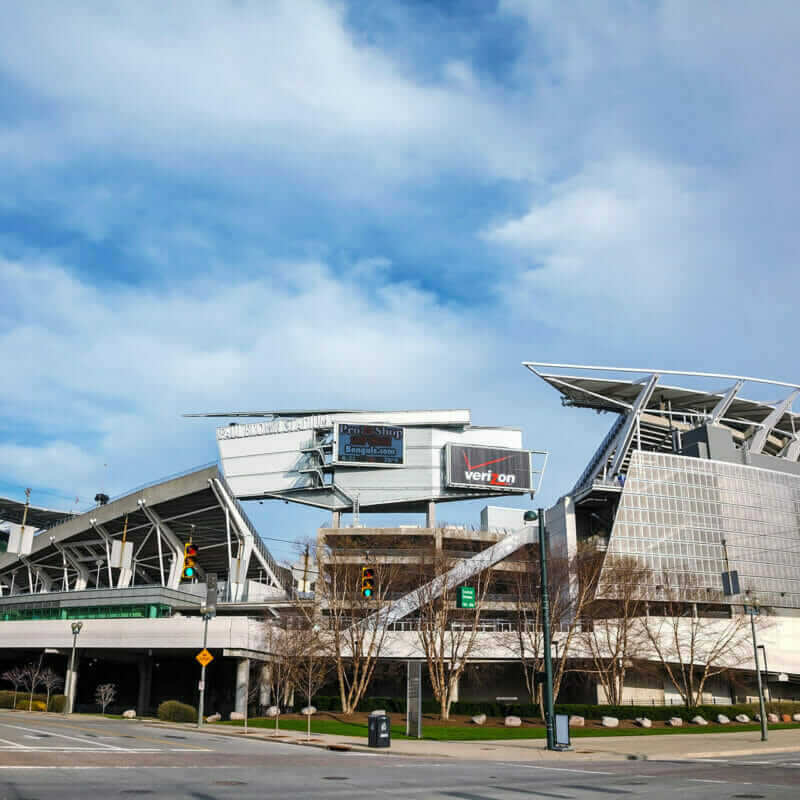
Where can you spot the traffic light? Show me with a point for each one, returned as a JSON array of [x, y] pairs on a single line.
[[367, 581], [189, 563]]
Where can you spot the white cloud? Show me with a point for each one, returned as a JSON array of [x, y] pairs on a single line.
[[103, 374]]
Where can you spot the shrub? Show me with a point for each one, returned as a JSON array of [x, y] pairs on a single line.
[[7, 699], [174, 711], [24, 703], [57, 703]]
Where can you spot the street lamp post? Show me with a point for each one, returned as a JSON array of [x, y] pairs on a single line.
[[76, 629], [753, 611]]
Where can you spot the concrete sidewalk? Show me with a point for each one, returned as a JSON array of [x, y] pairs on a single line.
[[664, 747]]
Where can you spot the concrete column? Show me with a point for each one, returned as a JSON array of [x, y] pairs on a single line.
[[454, 691], [336, 519], [145, 685], [242, 684], [71, 681], [430, 516], [265, 693]]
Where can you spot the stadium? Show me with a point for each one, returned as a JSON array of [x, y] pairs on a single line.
[[693, 496]]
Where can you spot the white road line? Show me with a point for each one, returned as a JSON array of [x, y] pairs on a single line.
[[704, 780], [13, 744], [61, 735], [560, 769], [190, 750]]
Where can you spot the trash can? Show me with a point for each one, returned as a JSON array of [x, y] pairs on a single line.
[[379, 730]]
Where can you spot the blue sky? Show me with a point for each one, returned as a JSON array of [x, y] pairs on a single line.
[[378, 204]]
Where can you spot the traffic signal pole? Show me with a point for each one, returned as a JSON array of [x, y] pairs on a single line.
[[548, 663], [201, 702]]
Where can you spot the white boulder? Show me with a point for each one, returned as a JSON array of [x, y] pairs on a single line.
[[643, 722], [236, 715], [213, 717], [378, 712], [609, 722], [698, 720], [479, 719], [308, 711], [576, 721], [675, 722], [742, 718], [512, 722], [722, 719], [796, 717], [129, 714], [772, 718], [273, 711]]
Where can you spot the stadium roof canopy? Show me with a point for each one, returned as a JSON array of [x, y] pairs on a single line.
[[139, 539], [14, 511]]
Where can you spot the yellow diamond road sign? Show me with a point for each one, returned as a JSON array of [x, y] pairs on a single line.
[[204, 657]]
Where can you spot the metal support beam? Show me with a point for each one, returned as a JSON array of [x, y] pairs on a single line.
[[760, 438], [721, 408], [82, 577], [175, 545], [625, 436]]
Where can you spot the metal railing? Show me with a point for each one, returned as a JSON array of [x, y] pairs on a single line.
[[598, 454]]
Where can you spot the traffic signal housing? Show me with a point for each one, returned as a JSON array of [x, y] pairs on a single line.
[[367, 582], [189, 561]]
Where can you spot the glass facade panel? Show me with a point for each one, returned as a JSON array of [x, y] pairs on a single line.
[[702, 517]]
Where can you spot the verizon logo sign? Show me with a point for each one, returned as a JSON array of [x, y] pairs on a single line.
[[490, 468]]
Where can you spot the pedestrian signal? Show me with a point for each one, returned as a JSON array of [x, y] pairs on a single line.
[[367, 581], [189, 562]]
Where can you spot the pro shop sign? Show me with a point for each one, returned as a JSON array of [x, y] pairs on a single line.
[[491, 468]]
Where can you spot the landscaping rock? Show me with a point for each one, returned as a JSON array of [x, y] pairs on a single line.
[[378, 712], [513, 722], [722, 719], [213, 717], [796, 717], [129, 714], [772, 718], [609, 722], [479, 719], [643, 722], [273, 711], [236, 715], [698, 720], [742, 718], [308, 711], [576, 721], [675, 722], [785, 718]]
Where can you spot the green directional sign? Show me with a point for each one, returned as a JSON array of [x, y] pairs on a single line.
[[466, 597]]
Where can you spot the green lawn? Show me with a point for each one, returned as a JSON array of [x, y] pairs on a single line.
[[475, 733]]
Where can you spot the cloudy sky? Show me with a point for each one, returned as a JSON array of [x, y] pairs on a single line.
[[256, 205]]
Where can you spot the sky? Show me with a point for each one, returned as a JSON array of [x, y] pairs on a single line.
[[218, 206]]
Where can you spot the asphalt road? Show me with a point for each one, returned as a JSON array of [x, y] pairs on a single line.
[[42, 758]]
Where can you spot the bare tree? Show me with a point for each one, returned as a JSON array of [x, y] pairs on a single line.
[[447, 634], [311, 661], [280, 646], [572, 582], [32, 678], [51, 681], [105, 694], [612, 637], [15, 677], [354, 637], [694, 641]]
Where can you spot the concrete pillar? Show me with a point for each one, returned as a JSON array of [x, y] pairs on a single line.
[[454, 690], [242, 684], [336, 519], [145, 685], [71, 681], [265, 692], [430, 516]]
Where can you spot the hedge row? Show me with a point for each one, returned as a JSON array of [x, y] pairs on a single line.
[[57, 701], [588, 711]]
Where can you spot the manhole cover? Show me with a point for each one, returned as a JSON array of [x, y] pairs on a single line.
[[748, 796], [335, 778], [229, 783], [168, 736]]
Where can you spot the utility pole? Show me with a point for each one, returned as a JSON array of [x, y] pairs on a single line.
[[209, 612], [70, 699], [549, 713], [753, 611]]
